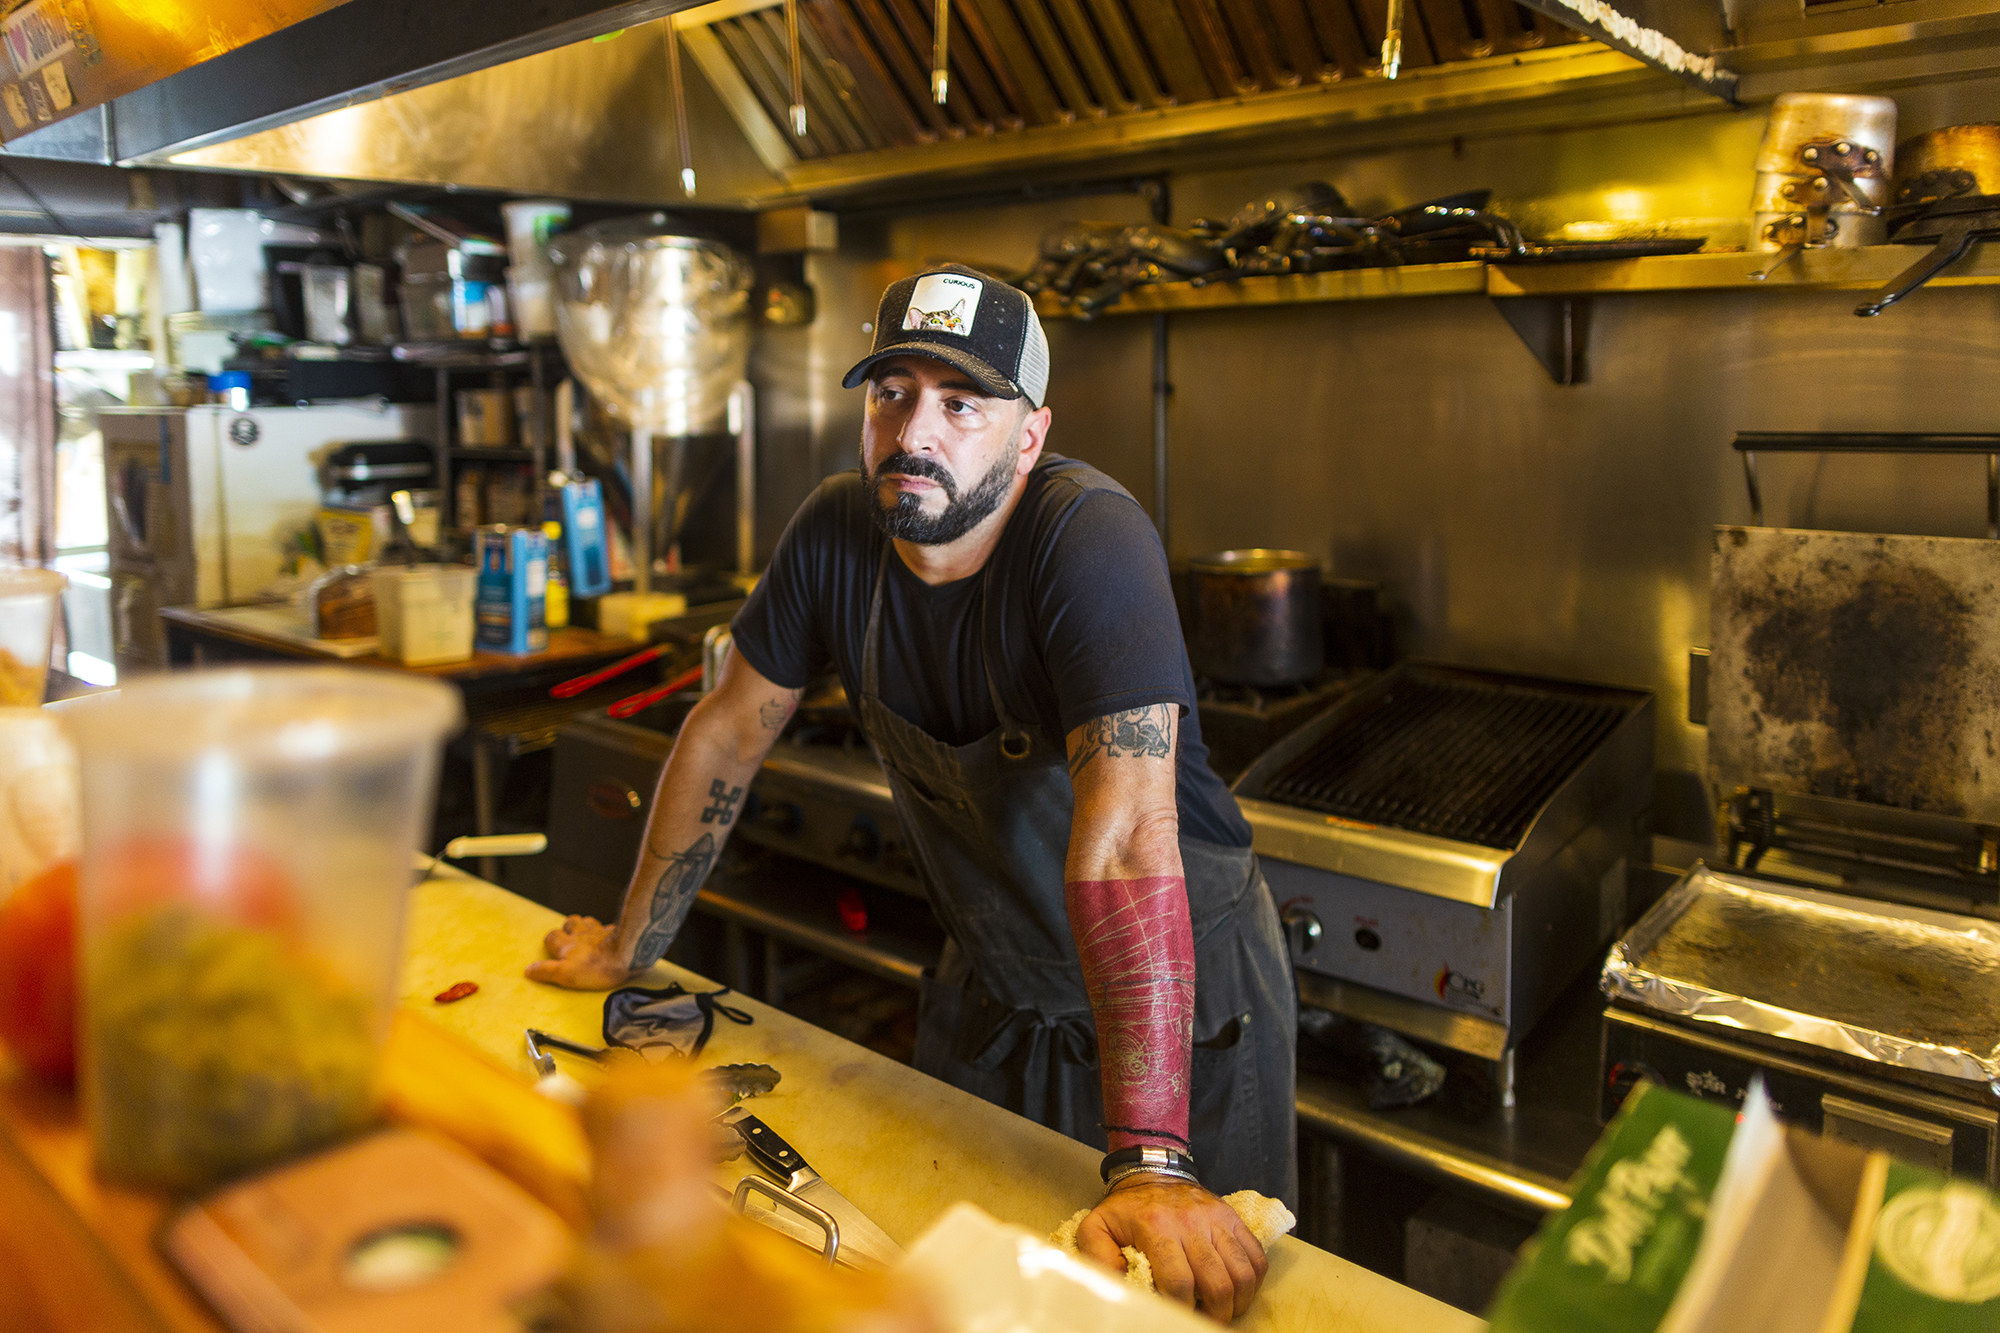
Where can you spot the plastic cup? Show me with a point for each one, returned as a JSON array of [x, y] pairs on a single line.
[[29, 602], [248, 840]]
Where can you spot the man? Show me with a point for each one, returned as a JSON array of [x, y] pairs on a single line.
[[1004, 624]]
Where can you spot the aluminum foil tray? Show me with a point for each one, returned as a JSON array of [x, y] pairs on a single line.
[[1898, 985]]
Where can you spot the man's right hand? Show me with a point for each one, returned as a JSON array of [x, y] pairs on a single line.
[[583, 955]]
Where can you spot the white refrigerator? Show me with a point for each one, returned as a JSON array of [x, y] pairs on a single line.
[[204, 500]]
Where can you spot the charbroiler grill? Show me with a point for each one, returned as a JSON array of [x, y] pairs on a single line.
[[1449, 847]]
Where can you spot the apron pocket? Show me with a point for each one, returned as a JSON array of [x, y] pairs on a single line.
[[1224, 1093]]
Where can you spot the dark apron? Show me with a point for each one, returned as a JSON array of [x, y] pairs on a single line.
[[1005, 1015]]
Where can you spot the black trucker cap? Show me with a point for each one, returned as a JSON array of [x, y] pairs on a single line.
[[966, 319]]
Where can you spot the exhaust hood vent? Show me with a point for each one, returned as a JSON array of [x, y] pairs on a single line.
[[1022, 63]]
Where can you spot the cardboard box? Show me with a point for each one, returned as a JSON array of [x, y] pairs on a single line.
[[1686, 1220], [513, 568]]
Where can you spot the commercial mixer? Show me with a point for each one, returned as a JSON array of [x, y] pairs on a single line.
[[656, 325]]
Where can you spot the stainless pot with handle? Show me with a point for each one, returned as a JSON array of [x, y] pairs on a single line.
[[1254, 617]]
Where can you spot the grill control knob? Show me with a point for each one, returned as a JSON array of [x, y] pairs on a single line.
[[783, 817], [1301, 927], [864, 840]]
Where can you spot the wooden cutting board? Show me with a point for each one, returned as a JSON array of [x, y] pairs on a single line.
[[400, 1232]]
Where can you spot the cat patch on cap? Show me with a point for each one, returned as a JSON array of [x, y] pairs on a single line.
[[944, 303]]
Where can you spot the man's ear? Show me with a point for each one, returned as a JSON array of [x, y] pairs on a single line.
[[1034, 433]]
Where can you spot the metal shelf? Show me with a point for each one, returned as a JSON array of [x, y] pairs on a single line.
[[1351, 284], [1821, 270], [1813, 270]]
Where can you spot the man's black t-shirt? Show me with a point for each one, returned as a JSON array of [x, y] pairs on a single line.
[[1085, 623]]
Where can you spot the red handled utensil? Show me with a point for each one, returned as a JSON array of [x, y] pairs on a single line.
[[646, 699], [569, 689]]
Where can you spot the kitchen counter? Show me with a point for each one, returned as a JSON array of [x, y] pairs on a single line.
[[900, 1144], [196, 638]]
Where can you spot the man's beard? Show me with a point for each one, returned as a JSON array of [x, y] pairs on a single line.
[[905, 519]]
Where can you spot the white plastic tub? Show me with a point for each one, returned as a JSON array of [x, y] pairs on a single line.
[[423, 613]]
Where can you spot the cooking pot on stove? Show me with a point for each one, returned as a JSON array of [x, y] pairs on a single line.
[[1254, 617]]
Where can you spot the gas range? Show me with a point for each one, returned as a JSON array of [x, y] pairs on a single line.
[[820, 796]]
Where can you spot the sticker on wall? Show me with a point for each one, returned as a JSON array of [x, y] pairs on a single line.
[[35, 35], [944, 303], [17, 104], [57, 83]]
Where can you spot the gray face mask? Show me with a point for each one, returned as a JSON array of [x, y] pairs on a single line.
[[663, 1023]]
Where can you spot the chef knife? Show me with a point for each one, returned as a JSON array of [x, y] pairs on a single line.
[[860, 1238]]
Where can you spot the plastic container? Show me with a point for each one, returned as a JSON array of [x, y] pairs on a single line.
[[530, 224], [29, 599], [423, 613], [248, 841], [38, 814]]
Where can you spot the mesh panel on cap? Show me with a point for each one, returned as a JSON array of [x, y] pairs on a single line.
[[1034, 376]]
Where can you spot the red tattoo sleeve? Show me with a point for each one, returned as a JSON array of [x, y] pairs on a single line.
[[1137, 950]]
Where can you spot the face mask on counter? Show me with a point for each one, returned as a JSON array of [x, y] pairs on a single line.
[[663, 1023]]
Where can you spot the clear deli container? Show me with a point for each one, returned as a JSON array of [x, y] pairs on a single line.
[[424, 613], [29, 600], [247, 847]]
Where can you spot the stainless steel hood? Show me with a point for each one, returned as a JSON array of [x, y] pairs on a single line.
[[64, 58], [1038, 87]]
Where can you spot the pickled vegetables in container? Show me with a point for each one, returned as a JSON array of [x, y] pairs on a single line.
[[247, 842]]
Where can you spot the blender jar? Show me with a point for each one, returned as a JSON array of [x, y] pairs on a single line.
[[247, 845]]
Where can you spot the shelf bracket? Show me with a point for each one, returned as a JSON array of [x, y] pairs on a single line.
[[1555, 329]]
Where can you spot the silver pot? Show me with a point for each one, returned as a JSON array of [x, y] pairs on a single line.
[[1823, 171], [1254, 617], [1801, 121]]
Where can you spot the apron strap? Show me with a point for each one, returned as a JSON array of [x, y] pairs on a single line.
[[871, 638], [1016, 742]]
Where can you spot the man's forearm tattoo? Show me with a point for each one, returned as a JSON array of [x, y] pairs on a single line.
[[1137, 733], [672, 896], [721, 807], [1137, 948], [774, 714]]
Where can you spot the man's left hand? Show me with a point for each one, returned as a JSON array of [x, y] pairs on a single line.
[[1201, 1252]]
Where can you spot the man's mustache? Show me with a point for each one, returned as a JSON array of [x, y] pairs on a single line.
[[916, 465]]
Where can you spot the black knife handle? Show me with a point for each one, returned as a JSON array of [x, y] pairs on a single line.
[[767, 1149]]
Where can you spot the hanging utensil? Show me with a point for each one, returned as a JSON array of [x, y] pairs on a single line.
[[680, 106], [1392, 41], [940, 79], [797, 70]]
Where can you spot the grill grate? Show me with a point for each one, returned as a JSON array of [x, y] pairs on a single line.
[[1021, 63], [1469, 761]]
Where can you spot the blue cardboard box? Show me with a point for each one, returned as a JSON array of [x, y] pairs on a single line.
[[511, 605]]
